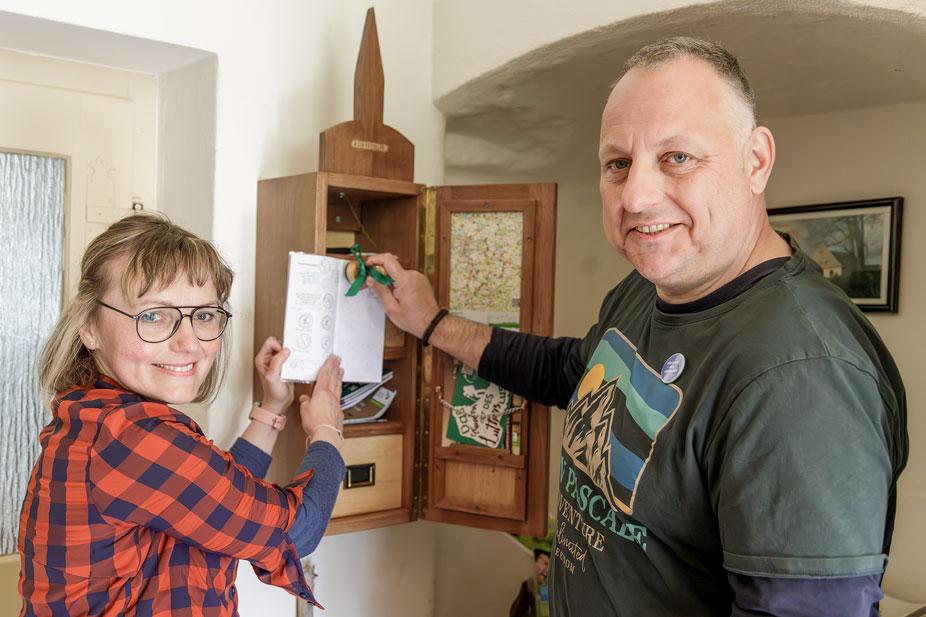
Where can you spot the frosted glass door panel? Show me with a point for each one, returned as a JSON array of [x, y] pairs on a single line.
[[32, 190]]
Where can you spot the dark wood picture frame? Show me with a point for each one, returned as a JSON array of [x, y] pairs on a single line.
[[855, 243]]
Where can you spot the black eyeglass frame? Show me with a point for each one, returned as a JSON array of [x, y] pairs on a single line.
[[135, 317]]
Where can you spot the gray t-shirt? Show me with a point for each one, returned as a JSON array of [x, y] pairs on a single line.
[[774, 452]]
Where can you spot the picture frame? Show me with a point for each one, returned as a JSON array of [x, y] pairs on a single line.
[[855, 243]]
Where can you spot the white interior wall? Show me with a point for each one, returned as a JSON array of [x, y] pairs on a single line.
[[507, 30], [478, 572], [285, 72], [186, 144]]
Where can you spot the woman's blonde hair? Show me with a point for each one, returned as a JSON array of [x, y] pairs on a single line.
[[156, 252]]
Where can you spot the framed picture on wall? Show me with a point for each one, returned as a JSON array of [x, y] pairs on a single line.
[[855, 243]]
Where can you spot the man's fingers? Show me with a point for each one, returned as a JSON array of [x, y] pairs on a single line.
[[388, 261], [386, 297]]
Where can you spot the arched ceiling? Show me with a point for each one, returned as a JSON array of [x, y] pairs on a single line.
[[801, 57]]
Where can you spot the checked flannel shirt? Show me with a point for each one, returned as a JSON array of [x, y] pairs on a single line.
[[130, 510]]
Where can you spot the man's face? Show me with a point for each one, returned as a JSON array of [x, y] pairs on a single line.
[[675, 191]]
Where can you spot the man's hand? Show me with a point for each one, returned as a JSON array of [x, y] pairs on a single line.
[[409, 301], [411, 305]]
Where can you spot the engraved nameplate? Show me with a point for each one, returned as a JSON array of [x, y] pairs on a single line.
[[369, 145]]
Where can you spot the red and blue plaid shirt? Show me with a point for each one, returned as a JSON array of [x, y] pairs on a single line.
[[130, 510]]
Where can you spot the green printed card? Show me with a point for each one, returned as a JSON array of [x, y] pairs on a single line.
[[479, 411]]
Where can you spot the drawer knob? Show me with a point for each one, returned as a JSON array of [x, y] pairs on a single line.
[[360, 475]]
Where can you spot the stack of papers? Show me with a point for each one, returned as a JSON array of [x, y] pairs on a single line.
[[354, 393], [371, 409]]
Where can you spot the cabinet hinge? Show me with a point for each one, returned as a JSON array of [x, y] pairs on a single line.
[[430, 232], [422, 434]]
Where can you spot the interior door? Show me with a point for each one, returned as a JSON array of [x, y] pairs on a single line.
[[102, 120], [489, 251]]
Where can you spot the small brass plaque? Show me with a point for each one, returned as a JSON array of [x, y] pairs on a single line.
[[369, 145]]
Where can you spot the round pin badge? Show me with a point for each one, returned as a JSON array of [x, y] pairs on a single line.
[[672, 368]]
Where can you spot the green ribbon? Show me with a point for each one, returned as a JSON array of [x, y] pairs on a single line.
[[363, 271]]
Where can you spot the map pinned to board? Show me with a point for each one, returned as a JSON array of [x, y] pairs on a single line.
[[479, 410], [486, 253]]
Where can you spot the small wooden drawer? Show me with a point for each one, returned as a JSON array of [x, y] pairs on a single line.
[[374, 475]]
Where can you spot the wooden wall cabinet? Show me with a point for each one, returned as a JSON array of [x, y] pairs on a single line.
[[404, 468]]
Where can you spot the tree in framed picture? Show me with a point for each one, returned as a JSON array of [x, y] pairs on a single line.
[[855, 243]]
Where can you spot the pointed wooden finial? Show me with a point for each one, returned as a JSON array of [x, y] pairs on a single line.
[[369, 82], [365, 146]]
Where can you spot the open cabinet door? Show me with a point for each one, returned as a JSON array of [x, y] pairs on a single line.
[[489, 251]]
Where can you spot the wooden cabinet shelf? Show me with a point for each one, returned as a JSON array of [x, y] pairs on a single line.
[[366, 188], [372, 520], [387, 427], [482, 456]]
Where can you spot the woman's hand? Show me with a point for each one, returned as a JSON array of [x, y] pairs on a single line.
[[277, 394], [322, 418]]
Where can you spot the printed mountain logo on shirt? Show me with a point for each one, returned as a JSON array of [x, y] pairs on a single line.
[[614, 418]]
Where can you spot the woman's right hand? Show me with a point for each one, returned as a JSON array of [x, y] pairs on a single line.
[[322, 418]]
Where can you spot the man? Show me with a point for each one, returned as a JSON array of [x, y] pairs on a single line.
[[533, 597], [734, 426]]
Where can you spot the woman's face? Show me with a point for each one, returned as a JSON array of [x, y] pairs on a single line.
[[171, 371]]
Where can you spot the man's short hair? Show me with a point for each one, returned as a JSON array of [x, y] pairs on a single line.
[[540, 551], [725, 63]]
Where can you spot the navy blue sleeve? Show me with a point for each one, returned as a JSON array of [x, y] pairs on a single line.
[[318, 497], [250, 457], [539, 368], [857, 596]]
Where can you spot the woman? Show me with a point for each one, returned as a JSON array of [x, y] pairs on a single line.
[[130, 509]]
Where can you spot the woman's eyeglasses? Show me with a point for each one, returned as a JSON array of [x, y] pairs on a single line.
[[159, 323]]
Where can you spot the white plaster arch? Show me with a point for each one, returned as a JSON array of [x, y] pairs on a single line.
[[802, 58], [477, 37]]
